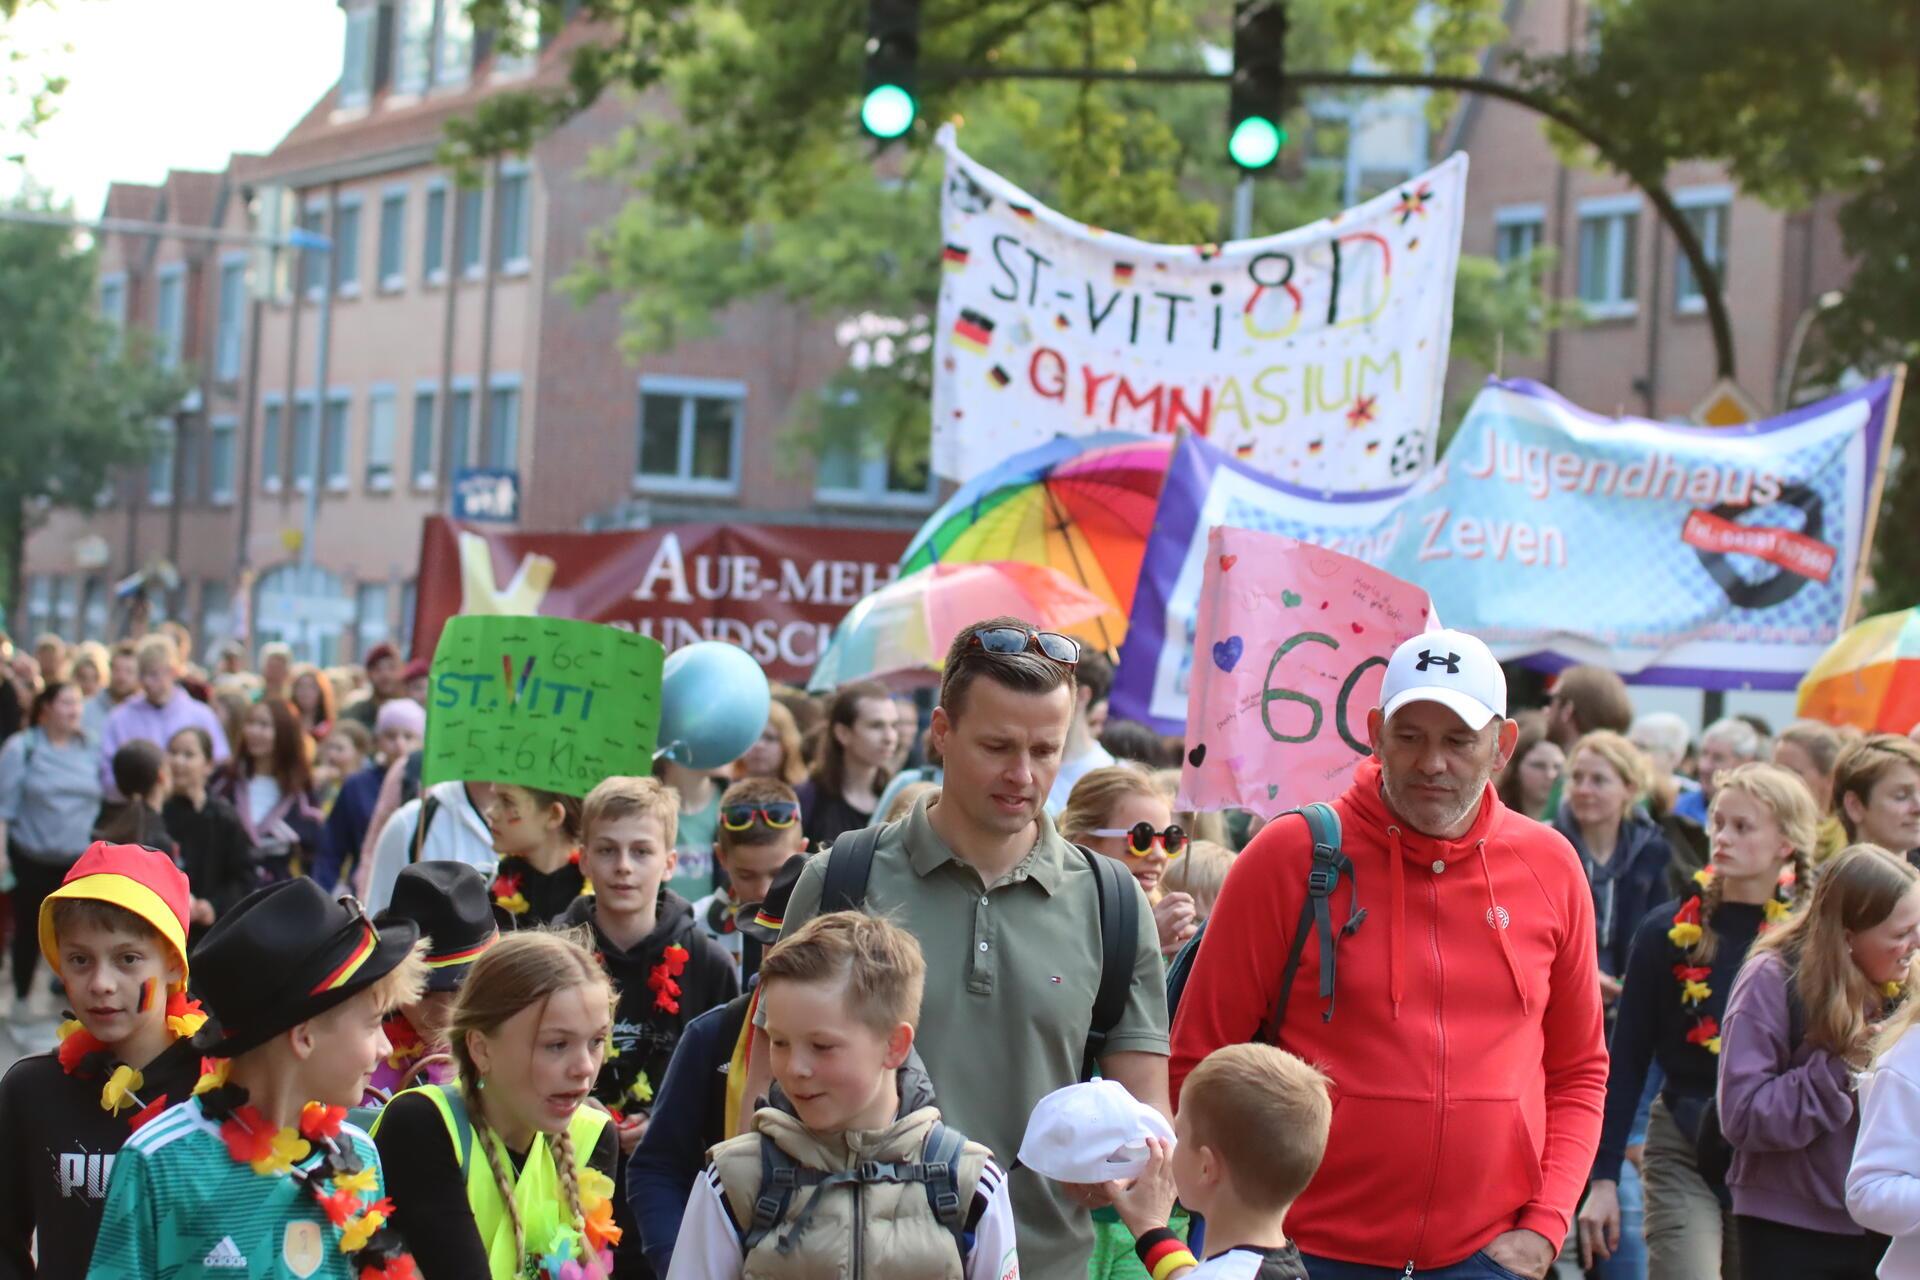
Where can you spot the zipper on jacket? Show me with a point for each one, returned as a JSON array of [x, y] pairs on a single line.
[[1408, 1273], [859, 1231], [1440, 1073]]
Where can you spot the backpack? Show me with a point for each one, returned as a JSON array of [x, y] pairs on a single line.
[[850, 865], [938, 1169], [428, 807], [1323, 824]]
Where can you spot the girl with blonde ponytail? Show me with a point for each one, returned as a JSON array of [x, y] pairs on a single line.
[[1680, 972], [512, 1166], [1800, 1023]]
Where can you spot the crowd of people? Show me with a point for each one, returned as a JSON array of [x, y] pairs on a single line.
[[948, 985]]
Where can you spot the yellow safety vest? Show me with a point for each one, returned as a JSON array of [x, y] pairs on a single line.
[[537, 1191]]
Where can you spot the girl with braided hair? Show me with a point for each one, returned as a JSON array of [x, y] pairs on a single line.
[[1680, 971], [510, 1170]]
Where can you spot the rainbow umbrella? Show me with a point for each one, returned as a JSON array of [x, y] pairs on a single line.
[[1083, 505], [900, 633], [1870, 678]]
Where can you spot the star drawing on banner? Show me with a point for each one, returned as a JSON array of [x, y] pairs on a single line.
[[1413, 202], [1362, 412]]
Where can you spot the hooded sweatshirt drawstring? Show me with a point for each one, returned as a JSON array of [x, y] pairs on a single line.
[[1396, 876], [1500, 928]]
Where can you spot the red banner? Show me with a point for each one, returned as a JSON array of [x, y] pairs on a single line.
[[777, 591], [1794, 552]]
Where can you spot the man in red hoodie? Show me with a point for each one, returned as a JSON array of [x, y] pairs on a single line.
[[1465, 1040]]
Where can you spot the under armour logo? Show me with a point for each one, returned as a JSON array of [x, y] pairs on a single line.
[[1451, 662]]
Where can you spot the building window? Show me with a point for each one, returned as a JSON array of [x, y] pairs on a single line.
[[232, 319], [333, 440], [413, 57], [409, 596], [517, 49], [93, 607], [356, 66], [65, 589], [510, 221], [453, 57], [216, 614], [422, 463], [1609, 229], [689, 433], [305, 456], [459, 427], [346, 248], [1517, 232], [170, 314], [160, 465], [39, 604], [1706, 211], [472, 207], [313, 219], [221, 435], [393, 240], [854, 476], [370, 607], [272, 468], [113, 300], [382, 409], [434, 254], [500, 446]]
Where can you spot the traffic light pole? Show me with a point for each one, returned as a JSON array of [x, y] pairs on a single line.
[[1654, 187]]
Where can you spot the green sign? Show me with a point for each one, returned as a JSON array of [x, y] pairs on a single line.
[[549, 703]]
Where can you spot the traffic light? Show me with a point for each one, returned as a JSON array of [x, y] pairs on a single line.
[[1257, 98], [893, 56]]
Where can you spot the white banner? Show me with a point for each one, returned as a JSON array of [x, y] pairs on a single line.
[[1318, 355]]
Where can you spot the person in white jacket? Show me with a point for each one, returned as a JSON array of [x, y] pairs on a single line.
[[456, 832], [1883, 1184]]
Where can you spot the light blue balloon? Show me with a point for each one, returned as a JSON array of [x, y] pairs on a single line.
[[713, 704]]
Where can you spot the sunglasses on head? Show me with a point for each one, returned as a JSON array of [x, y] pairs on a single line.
[[778, 814], [1141, 838], [1064, 650]]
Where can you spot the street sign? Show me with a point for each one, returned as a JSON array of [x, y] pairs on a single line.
[[1725, 406], [487, 493]]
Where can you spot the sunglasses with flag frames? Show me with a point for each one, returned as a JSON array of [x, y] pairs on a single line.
[[1141, 837], [778, 815]]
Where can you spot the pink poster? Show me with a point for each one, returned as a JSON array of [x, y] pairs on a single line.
[[1293, 643]]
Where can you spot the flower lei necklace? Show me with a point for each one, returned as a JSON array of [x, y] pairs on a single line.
[[663, 978], [337, 1183], [1687, 930], [564, 1257], [84, 1056]]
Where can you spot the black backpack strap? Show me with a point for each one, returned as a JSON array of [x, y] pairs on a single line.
[[940, 1158], [1316, 911], [849, 867], [428, 807], [779, 1177], [1119, 902]]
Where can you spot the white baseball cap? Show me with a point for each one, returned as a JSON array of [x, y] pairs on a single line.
[[1089, 1133], [1451, 668]]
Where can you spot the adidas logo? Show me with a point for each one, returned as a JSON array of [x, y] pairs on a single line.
[[226, 1256]]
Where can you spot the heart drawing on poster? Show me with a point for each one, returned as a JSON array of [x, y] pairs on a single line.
[[1226, 653]]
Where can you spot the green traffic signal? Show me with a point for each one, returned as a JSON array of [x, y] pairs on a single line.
[[888, 111], [1256, 142]]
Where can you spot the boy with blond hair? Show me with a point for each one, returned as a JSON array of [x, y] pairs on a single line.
[[850, 1171], [759, 830], [664, 968], [1248, 1137]]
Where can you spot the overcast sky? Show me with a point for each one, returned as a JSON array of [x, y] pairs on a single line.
[[169, 84]]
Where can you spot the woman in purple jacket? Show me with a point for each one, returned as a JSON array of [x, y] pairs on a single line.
[[1799, 1024]]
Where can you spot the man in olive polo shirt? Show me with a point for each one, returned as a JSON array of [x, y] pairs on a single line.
[[1007, 915]]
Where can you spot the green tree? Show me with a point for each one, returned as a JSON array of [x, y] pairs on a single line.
[[26, 95], [1803, 101], [78, 401], [758, 182]]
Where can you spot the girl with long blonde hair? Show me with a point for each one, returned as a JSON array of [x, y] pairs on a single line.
[[1121, 813], [1800, 1023], [512, 1166], [1681, 967]]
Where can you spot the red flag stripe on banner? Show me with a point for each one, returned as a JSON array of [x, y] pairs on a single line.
[[1794, 552]]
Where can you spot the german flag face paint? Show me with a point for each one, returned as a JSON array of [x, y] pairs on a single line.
[[147, 992], [352, 964]]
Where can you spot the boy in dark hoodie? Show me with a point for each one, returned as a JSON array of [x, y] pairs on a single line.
[[665, 968]]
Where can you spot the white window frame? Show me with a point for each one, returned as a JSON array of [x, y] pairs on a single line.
[[502, 382], [458, 224], [376, 394], [272, 481], [1611, 207], [444, 76], [118, 317], [342, 480], [1520, 215], [425, 481], [324, 228], [518, 65], [369, 15], [689, 389], [409, 87], [432, 271], [234, 339], [173, 346], [163, 497], [397, 281], [228, 425], [302, 478], [1720, 196], [521, 264], [343, 207], [370, 631], [476, 406]]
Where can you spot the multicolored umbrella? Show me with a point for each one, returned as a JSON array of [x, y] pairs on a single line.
[[900, 633], [1083, 505], [1870, 678]]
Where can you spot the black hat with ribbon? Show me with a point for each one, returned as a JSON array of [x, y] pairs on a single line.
[[453, 905]]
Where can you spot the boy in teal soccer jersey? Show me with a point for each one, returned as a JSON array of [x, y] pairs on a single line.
[[258, 1177]]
